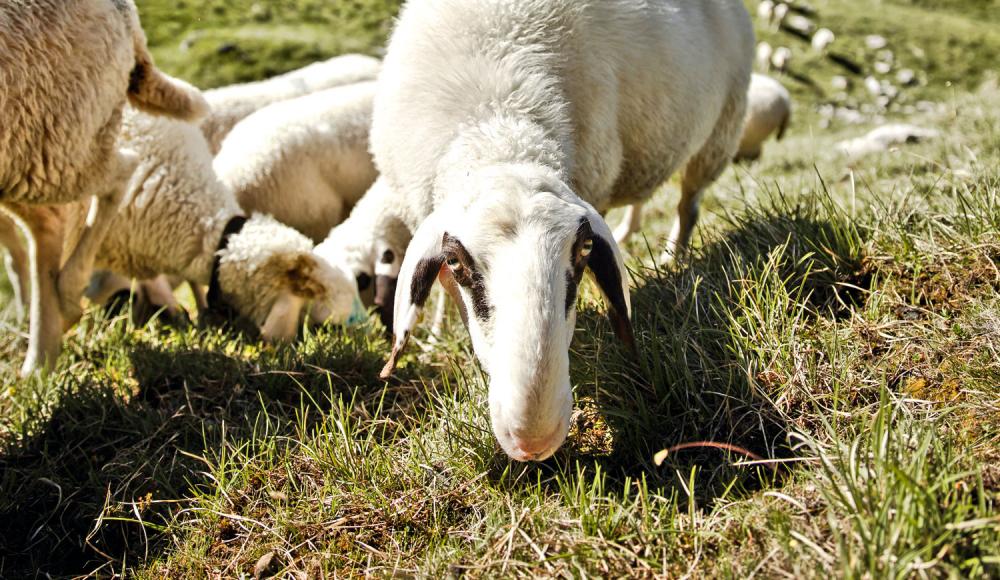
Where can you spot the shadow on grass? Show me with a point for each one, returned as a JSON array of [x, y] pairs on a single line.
[[74, 491]]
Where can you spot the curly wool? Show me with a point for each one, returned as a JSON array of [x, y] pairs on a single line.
[[233, 103]]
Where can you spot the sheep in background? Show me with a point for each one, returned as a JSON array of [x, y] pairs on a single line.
[[781, 58], [183, 221], [305, 161], [765, 12], [763, 56], [822, 40], [70, 66], [502, 166], [883, 138], [232, 104], [780, 13], [371, 243], [769, 110]]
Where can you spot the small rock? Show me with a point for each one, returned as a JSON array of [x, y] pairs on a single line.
[[882, 68], [263, 565], [840, 83], [875, 42], [885, 55]]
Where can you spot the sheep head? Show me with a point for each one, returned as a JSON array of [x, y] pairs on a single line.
[[513, 259], [370, 246], [269, 274]]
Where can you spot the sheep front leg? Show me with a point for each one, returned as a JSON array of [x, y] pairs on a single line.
[[44, 231], [76, 272]]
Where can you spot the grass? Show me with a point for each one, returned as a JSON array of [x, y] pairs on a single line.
[[843, 323]]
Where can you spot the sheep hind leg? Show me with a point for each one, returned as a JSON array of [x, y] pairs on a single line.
[[700, 172], [75, 273], [43, 228], [18, 265], [630, 224]]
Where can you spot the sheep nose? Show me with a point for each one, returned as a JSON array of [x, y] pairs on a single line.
[[531, 448]]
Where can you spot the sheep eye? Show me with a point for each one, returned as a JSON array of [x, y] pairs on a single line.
[[454, 263], [364, 281], [587, 248], [388, 257]]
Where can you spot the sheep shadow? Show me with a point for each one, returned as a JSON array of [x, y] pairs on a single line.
[[81, 493], [699, 374]]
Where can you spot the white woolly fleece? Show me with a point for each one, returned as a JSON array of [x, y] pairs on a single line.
[[234, 103], [174, 218], [768, 112], [305, 160]]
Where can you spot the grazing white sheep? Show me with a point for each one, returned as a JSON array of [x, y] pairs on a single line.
[[502, 129], [883, 138], [822, 40], [763, 56], [183, 221], [781, 58], [780, 13], [305, 161], [371, 243], [765, 12], [232, 104], [68, 68], [769, 111]]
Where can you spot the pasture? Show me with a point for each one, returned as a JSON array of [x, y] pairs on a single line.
[[840, 322]]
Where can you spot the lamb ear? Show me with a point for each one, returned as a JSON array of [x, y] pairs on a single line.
[[420, 269], [608, 269]]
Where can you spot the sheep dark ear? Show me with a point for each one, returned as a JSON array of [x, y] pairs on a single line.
[[420, 268], [608, 269]]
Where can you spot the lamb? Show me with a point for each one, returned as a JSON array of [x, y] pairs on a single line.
[[551, 112], [371, 243], [305, 161], [182, 221], [763, 56], [233, 103], [70, 66], [781, 58], [769, 111]]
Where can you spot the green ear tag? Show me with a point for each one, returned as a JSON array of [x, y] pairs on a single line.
[[359, 315]]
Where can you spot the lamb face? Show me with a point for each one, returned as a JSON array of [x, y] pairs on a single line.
[[513, 263], [269, 273]]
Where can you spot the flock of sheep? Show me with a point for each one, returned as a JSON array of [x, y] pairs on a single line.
[[482, 154]]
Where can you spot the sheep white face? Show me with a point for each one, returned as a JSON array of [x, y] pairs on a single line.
[[513, 262], [373, 263], [269, 274]]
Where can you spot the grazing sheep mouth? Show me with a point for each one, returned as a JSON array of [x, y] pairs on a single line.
[[385, 299]]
